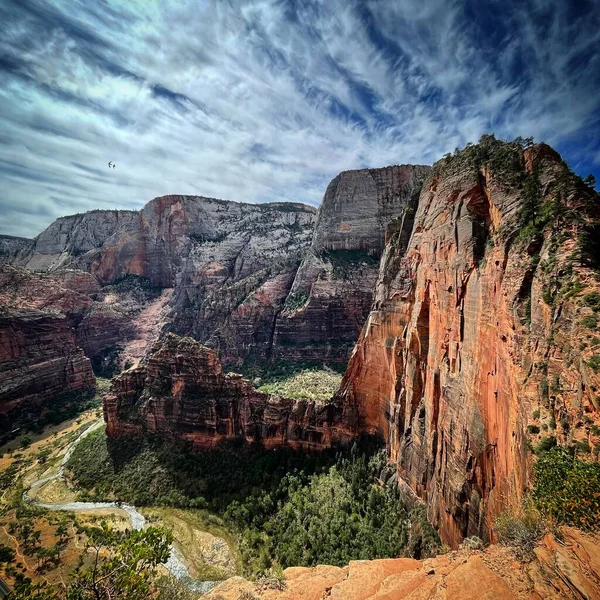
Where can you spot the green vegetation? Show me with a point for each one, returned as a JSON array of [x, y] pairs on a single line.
[[122, 565], [567, 489], [315, 384], [287, 508], [546, 443], [533, 429], [296, 301], [592, 300], [590, 322], [36, 418], [345, 262], [520, 529], [594, 363]]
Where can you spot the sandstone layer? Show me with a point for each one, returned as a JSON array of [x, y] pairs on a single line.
[[470, 339], [39, 363], [181, 391], [333, 289], [568, 570]]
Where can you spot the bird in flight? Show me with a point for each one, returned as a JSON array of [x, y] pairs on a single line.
[[111, 164]]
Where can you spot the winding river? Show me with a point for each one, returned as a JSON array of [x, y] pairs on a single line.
[[176, 563]]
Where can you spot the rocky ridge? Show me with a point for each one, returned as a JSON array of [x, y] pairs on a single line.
[[333, 289], [39, 363], [181, 391]]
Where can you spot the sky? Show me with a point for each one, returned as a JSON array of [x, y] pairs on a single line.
[[261, 101]]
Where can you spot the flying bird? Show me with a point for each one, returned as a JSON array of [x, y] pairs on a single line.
[[111, 164]]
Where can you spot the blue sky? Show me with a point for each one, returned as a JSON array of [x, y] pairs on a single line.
[[260, 101]]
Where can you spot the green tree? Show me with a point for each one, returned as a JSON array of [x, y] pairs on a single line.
[[123, 566]]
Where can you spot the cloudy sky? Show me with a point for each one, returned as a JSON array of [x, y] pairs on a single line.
[[267, 100]]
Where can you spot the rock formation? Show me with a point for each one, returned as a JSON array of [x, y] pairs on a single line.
[[471, 336], [333, 289], [234, 267], [565, 570], [39, 363], [181, 391]]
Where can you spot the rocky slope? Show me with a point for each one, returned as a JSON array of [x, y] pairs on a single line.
[[471, 336], [332, 292], [181, 391], [39, 363], [561, 570]]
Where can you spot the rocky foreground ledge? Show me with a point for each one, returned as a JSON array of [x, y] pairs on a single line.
[[562, 569]]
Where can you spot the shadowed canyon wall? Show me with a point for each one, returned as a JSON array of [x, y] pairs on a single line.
[[471, 322]]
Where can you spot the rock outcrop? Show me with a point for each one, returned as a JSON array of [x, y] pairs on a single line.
[[181, 391], [470, 339], [332, 292], [39, 363], [566, 570]]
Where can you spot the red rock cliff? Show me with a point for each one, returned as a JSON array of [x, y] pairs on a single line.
[[39, 362], [477, 331], [182, 392]]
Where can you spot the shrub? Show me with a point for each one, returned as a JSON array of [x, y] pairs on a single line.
[[583, 446], [536, 414], [520, 530], [546, 443], [592, 300], [533, 429], [594, 363], [567, 489], [595, 429], [590, 322]]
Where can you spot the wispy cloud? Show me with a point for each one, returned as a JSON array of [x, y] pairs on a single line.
[[267, 100]]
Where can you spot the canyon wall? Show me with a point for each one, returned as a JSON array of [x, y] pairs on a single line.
[[333, 289], [39, 363], [259, 283], [482, 326], [181, 391]]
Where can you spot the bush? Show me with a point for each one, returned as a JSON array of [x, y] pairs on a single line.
[[592, 300], [533, 429], [594, 363], [536, 414], [590, 322], [520, 531], [546, 443], [567, 489]]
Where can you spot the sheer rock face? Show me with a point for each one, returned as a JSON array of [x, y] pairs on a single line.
[[332, 292], [39, 361], [181, 391], [460, 345]]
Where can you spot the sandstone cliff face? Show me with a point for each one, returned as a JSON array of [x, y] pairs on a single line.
[[332, 292], [181, 391], [469, 325], [241, 262], [231, 265], [39, 362]]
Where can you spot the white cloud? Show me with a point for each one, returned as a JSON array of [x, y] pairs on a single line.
[[268, 100]]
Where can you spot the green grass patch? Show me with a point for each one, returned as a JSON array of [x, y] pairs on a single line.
[[314, 384]]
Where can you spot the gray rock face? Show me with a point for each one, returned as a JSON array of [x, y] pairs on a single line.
[[333, 289], [257, 282]]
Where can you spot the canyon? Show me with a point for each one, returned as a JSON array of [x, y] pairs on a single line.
[[470, 286]]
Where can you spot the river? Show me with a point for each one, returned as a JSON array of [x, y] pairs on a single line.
[[176, 563]]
